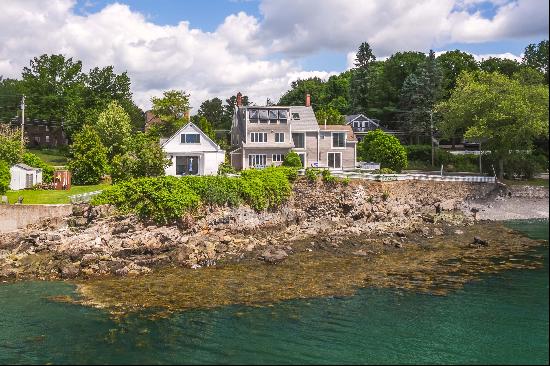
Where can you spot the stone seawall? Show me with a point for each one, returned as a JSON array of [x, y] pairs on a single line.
[[15, 217]]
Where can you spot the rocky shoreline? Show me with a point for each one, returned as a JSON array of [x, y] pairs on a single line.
[[362, 219]]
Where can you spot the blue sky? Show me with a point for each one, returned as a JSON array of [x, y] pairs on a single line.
[[255, 46]]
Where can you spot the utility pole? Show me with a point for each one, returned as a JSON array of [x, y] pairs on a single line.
[[23, 121], [432, 135]]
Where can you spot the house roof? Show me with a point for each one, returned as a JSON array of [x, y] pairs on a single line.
[[343, 128], [196, 128], [307, 121], [25, 167]]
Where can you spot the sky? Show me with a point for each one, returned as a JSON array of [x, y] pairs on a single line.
[[216, 48]]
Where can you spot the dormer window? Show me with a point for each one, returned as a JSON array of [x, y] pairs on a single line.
[[295, 115], [264, 115], [273, 114], [190, 138], [283, 114]]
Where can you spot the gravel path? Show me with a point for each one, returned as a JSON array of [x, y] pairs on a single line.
[[522, 202]]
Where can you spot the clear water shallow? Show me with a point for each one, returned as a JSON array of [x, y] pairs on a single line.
[[500, 319]]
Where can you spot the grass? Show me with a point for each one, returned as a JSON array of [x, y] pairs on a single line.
[[539, 182], [53, 157], [51, 196]]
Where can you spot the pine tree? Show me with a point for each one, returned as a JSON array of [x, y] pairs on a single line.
[[359, 86], [420, 91]]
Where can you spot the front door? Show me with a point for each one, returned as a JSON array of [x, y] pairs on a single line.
[[187, 165]]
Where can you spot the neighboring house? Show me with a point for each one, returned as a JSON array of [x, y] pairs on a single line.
[[262, 136], [362, 124], [41, 133], [192, 152], [24, 176]]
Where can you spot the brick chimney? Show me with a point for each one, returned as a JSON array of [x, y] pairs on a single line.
[[308, 100], [239, 99]]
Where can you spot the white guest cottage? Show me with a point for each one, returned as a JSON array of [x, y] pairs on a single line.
[[192, 152], [24, 176]]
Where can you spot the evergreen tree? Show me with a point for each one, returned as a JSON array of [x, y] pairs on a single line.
[[359, 85], [421, 90]]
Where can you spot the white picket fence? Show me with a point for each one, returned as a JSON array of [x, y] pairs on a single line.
[[83, 197]]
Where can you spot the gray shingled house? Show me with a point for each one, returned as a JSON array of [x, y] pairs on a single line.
[[262, 136]]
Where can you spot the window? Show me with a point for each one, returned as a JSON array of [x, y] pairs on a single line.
[[264, 115], [283, 114], [257, 160], [338, 139], [277, 158], [335, 160], [47, 139], [190, 138], [258, 137], [253, 115], [295, 115], [279, 137], [299, 140], [273, 114]]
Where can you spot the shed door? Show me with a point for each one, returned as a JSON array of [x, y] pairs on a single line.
[[29, 180]]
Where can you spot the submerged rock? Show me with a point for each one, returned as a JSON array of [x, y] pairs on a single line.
[[273, 255]]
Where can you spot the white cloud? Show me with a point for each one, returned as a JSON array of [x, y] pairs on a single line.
[[258, 56]]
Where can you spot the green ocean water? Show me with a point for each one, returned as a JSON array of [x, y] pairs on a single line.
[[500, 319]]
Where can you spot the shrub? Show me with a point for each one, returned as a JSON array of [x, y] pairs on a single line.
[[327, 176], [292, 160], [215, 190], [162, 199], [290, 172], [5, 177], [385, 149], [516, 165], [345, 181], [88, 161], [419, 153], [312, 174], [34, 161], [165, 199], [226, 168]]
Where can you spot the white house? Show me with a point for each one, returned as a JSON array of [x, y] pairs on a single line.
[[192, 152], [24, 176]]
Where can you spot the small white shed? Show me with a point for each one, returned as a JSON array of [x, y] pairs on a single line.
[[192, 152], [24, 176]]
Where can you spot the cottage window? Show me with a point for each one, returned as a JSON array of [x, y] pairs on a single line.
[[338, 139], [299, 140], [258, 137], [190, 138], [279, 137], [277, 158], [257, 160]]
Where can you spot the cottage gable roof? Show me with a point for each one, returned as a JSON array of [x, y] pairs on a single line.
[[191, 127], [350, 136]]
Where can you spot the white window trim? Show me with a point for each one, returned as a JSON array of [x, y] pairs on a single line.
[[280, 133], [191, 143], [341, 161], [264, 158], [332, 140], [257, 134], [277, 161], [305, 140]]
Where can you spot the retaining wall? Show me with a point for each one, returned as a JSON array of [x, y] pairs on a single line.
[[13, 217]]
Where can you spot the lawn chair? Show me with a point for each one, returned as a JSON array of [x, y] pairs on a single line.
[[20, 200], [4, 200]]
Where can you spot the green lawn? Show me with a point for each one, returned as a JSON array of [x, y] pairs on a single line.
[[50, 196], [53, 157]]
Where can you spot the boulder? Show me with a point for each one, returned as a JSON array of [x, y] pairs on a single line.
[[479, 241], [273, 255], [68, 271]]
